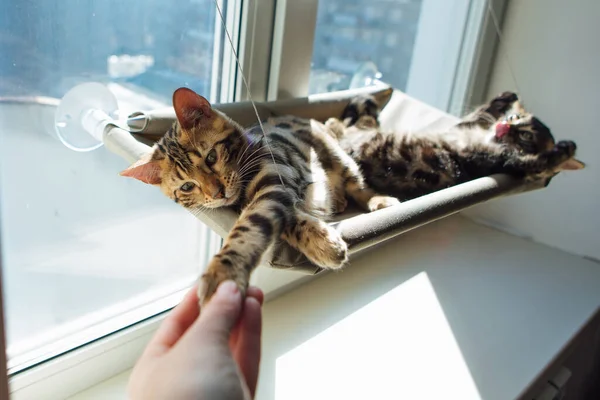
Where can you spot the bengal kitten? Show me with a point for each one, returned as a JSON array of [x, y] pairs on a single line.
[[284, 183], [498, 137]]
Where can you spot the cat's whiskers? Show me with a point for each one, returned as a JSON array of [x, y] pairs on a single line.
[[251, 162], [254, 152], [241, 161], [198, 209], [250, 172], [244, 150], [247, 145], [251, 166]]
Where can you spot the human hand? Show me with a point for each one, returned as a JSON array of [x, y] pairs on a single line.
[[213, 354]]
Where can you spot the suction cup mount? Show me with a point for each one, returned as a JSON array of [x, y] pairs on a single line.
[[367, 74], [83, 114]]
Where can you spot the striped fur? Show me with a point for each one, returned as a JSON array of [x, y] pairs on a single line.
[[498, 137], [284, 184]]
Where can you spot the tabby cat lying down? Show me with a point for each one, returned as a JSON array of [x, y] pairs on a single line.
[[284, 184], [499, 137]]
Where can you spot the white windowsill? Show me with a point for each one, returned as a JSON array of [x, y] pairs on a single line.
[[458, 310]]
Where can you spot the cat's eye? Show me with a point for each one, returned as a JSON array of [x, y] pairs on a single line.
[[187, 187], [512, 117], [526, 136], [211, 158]]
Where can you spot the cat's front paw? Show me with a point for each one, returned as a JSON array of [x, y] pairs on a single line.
[[335, 128], [502, 104], [216, 273], [326, 247], [506, 98], [360, 107], [566, 160], [566, 148], [379, 202]]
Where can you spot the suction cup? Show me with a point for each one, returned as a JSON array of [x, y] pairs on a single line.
[[81, 114], [366, 75]]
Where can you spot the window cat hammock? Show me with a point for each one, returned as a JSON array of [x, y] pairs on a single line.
[[83, 122]]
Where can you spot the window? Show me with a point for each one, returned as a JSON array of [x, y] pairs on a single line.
[[86, 253], [82, 246], [434, 50]]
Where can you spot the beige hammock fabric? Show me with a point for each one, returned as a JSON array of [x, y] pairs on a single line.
[[360, 230]]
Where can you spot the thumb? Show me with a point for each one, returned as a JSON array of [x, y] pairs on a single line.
[[220, 314]]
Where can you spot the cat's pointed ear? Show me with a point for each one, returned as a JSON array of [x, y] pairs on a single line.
[[572, 164], [146, 170], [190, 107]]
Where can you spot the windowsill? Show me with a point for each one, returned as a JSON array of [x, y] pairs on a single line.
[[453, 309], [111, 389]]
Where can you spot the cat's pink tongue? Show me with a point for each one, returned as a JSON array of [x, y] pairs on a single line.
[[502, 129]]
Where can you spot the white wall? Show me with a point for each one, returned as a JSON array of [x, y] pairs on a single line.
[[553, 47]]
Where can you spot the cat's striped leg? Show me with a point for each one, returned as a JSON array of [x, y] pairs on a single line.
[[260, 224], [344, 174]]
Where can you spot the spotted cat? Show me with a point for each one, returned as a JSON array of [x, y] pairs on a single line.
[[284, 183], [498, 137]]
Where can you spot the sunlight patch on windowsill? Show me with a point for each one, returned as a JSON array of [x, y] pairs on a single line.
[[399, 344]]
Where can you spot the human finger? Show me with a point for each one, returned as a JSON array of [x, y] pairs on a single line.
[[247, 349], [255, 292], [252, 291], [219, 315], [175, 324]]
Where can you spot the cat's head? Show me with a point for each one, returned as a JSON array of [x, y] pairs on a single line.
[[521, 130], [195, 163]]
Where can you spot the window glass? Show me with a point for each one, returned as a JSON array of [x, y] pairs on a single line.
[[359, 41], [80, 244]]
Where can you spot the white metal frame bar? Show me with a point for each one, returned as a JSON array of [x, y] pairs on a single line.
[[229, 69], [255, 48], [453, 51], [477, 55], [217, 56], [292, 48]]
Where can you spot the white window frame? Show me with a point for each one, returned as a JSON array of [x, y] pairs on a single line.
[[450, 75], [275, 47]]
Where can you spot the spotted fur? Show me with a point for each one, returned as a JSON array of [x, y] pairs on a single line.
[[284, 183], [498, 137]]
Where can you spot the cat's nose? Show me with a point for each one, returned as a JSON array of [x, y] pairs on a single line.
[[218, 191]]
